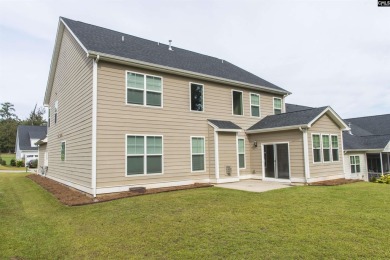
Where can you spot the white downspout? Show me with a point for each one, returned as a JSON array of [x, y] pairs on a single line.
[[306, 153], [94, 124], [216, 155]]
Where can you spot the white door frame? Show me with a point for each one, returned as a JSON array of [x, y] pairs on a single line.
[[275, 156]]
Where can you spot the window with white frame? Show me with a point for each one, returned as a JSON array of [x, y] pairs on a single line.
[[277, 106], [355, 163], [255, 105], [335, 148], [48, 117], [55, 111], [144, 154], [316, 138], [241, 153], [237, 102], [326, 148], [143, 89], [196, 97], [197, 154], [63, 151]]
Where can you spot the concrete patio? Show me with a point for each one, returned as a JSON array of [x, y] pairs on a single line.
[[254, 185]]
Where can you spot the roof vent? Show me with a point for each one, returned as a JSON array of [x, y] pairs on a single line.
[[350, 128], [170, 45], [123, 38]]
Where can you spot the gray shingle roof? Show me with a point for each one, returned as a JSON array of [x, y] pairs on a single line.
[[294, 108], [224, 124], [354, 142], [102, 40], [301, 117], [27, 132]]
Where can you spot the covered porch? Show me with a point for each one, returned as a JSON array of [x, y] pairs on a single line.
[[378, 163]]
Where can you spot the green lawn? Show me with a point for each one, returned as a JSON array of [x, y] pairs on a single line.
[[347, 222], [8, 157]]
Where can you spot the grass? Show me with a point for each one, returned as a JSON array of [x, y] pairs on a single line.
[[348, 222], [8, 157]]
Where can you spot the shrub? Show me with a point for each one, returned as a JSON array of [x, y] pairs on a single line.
[[12, 162], [19, 163], [384, 179], [3, 162], [1, 159], [373, 179]]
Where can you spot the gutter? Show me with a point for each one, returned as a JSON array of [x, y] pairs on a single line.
[[186, 73], [275, 129]]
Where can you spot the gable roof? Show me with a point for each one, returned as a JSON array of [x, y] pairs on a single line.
[[368, 133], [108, 45], [27, 132], [294, 108], [293, 120]]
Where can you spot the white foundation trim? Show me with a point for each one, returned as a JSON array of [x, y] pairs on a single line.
[[325, 178], [225, 180]]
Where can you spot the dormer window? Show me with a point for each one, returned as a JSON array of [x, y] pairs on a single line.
[[277, 106]]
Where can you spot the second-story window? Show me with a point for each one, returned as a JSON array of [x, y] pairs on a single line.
[[255, 105], [48, 117], [55, 112], [237, 102], [143, 89], [277, 106], [196, 97]]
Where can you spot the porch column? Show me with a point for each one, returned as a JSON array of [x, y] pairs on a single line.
[[306, 155], [380, 155], [216, 154]]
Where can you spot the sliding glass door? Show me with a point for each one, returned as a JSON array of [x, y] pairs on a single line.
[[276, 161]]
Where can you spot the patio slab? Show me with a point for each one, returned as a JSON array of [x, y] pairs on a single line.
[[254, 185]]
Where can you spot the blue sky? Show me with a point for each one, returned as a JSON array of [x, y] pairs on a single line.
[[333, 53]]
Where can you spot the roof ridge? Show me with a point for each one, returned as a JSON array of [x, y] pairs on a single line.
[[367, 116]]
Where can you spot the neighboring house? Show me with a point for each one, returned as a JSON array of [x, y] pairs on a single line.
[[26, 138], [125, 112], [367, 147]]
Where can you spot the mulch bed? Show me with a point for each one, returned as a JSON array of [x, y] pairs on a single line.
[[333, 182], [72, 197]]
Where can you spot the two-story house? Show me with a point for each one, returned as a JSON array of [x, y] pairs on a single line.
[[126, 112]]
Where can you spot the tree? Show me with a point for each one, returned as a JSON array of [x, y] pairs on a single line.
[[8, 126], [35, 117]]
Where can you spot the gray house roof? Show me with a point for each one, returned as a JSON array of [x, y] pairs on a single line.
[[27, 132], [294, 107], [224, 124], [371, 132], [98, 40], [297, 118]]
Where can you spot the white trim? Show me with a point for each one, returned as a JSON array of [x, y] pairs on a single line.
[[145, 155], [338, 146], [354, 164], [325, 178], [281, 105], [216, 154], [250, 104], [306, 154], [161, 68], [203, 96], [74, 36], [144, 90], [242, 102], [216, 128], [225, 180], [238, 154], [94, 125], [380, 156], [71, 184], [275, 129], [364, 150], [329, 148], [312, 148], [204, 153], [334, 116], [56, 112]]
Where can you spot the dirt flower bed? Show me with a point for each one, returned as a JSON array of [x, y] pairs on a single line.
[[73, 197], [333, 182]]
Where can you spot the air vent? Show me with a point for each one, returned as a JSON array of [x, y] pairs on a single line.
[[228, 170]]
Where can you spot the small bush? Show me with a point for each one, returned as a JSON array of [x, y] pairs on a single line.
[[4, 163], [12, 162], [1, 159], [384, 179], [373, 179], [19, 163]]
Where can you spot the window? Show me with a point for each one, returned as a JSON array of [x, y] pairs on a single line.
[[143, 89], [237, 102], [326, 148], [48, 117], [255, 105], [335, 148], [355, 163], [277, 106], [241, 153], [141, 160], [196, 97], [63, 151], [197, 154], [55, 111], [316, 147]]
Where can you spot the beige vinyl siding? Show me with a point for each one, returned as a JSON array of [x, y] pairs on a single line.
[[295, 140], [363, 166], [41, 155], [227, 154], [174, 121], [325, 125], [72, 87]]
